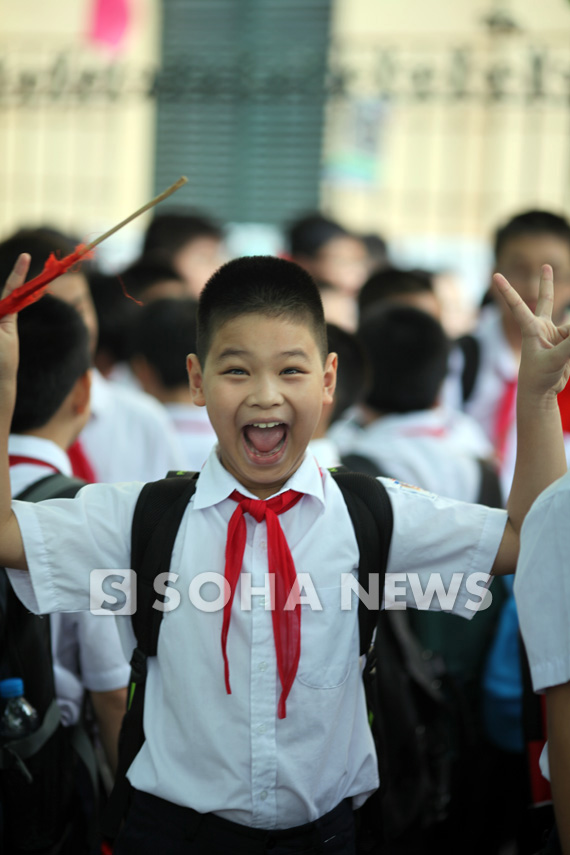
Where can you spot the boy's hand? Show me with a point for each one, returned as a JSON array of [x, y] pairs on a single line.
[[8, 324], [545, 355]]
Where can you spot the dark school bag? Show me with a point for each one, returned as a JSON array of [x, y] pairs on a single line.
[[37, 772], [471, 350], [156, 520]]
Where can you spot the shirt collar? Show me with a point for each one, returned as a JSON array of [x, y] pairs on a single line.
[[216, 484], [38, 448], [99, 393], [497, 348]]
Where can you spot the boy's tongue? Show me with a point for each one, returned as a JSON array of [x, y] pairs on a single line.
[[264, 439]]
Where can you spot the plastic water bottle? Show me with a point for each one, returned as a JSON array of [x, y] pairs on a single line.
[[19, 718]]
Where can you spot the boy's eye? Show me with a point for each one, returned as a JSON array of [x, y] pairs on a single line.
[[291, 371], [237, 372]]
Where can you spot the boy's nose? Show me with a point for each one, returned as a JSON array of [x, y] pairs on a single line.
[[265, 394]]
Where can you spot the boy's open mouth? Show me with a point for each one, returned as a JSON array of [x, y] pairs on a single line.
[[265, 440]]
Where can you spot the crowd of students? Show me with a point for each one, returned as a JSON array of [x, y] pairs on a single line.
[[262, 744]]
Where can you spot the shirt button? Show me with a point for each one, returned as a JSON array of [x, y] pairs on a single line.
[[263, 545], [262, 728], [263, 795], [261, 603], [262, 666]]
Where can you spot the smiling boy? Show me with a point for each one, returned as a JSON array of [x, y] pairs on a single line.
[[264, 746]]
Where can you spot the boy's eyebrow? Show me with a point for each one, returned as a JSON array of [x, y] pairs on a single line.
[[231, 351], [297, 353]]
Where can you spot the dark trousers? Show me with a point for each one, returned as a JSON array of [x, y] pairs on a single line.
[[553, 845], [157, 827]]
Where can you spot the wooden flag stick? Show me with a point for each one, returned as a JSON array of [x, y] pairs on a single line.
[[176, 186]]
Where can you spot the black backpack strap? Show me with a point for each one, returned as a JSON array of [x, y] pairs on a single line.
[[360, 463], [157, 517], [471, 351], [54, 486], [372, 518], [490, 492]]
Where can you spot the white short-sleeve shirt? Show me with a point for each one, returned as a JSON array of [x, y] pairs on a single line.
[[129, 436], [230, 754], [434, 449], [542, 586], [542, 589], [86, 655]]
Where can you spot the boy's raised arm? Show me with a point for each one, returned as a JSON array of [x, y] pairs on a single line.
[[543, 373], [11, 546]]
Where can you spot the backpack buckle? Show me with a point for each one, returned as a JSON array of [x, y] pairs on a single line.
[[138, 666]]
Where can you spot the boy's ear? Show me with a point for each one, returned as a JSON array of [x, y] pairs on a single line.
[[81, 394], [331, 366], [196, 380]]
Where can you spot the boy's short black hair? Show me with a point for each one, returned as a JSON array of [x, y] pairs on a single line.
[[165, 333], [308, 234], [353, 375], [39, 243], [391, 282], [535, 222], [115, 312], [262, 285], [171, 230], [408, 350], [54, 354], [146, 271]]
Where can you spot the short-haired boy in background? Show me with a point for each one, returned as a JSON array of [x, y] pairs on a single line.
[[162, 335]]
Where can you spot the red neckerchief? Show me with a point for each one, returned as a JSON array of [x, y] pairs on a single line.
[[286, 623], [15, 459]]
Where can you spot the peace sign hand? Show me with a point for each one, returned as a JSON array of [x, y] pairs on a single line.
[[545, 355]]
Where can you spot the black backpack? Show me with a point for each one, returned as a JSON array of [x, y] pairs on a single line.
[[156, 520], [471, 350], [37, 772]]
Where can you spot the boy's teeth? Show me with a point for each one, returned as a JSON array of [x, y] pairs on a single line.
[[265, 424], [265, 437]]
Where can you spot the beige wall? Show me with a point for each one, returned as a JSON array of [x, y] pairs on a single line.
[[447, 168], [81, 166]]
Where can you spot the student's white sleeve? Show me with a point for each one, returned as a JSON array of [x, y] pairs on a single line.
[[66, 539], [542, 587], [101, 658], [442, 551]]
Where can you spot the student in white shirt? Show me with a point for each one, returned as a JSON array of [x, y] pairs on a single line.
[[521, 247], [52, 405], [543, 603], [86, 656], [162, 336], [400, 425], [128, 436], [246, 771]]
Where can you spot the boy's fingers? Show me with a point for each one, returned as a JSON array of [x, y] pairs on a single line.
[[545, 293], [516, 304], [18, 275], [563, 347]]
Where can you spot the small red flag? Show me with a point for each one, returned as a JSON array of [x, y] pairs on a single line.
[[31, 291]]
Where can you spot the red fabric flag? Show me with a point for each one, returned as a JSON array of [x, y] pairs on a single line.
[[31, 291]]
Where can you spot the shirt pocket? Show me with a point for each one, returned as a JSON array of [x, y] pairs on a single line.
[[327, 641]]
